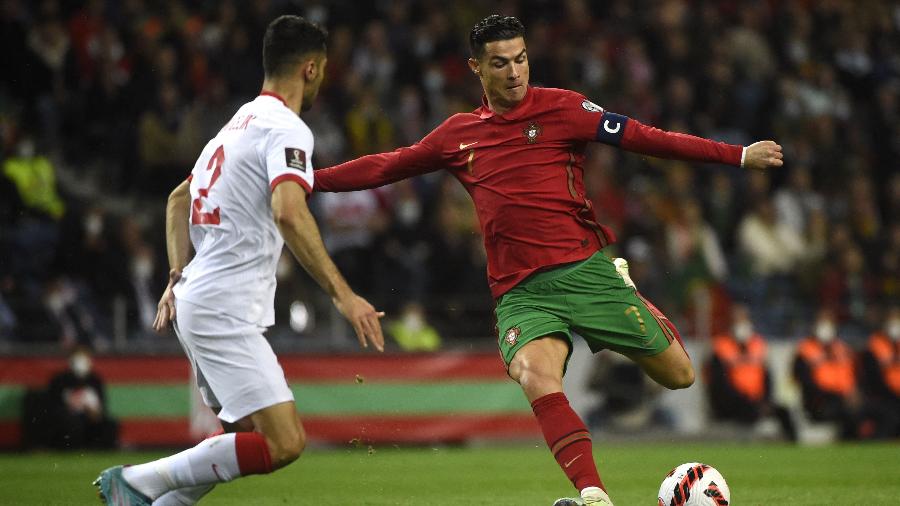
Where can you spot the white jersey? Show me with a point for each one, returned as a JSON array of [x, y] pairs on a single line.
[[235, 238]]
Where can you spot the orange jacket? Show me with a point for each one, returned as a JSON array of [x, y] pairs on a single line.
[[887, 354], [831, 365], [744, 366]]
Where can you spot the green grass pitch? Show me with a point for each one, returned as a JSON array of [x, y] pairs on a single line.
[[866, 474]]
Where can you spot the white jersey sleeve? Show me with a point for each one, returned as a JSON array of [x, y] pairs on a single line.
[[288, 154]]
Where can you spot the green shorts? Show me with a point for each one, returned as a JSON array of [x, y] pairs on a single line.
[[589, 297]]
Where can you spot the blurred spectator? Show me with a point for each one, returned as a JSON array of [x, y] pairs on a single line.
[[697, 265], [76, 402], [162, 133], [773, 251], [848, 287], [34, 234], [412, 332], [738, 379], [824, 366], [350, 224], [881, 377], [796, 202]]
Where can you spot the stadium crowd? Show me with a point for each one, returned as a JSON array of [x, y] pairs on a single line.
[[104, 106]]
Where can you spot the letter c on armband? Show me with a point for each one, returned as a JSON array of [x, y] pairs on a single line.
[[611, 129]]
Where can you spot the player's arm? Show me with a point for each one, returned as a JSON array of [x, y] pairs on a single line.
[[301, 234], [372, 171], [178, 249], [651, 141]]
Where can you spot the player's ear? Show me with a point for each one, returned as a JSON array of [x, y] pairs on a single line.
[[311, 69], [473, 66]]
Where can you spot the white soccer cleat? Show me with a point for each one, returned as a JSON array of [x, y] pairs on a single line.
[[622, 268], [595, 496]]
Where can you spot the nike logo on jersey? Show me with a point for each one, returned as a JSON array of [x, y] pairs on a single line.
[[464, 146], [569, 463]]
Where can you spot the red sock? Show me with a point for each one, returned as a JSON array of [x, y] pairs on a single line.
[[568, 439], [252, 453]]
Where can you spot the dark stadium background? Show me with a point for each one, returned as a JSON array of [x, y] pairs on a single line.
[[104, 106]]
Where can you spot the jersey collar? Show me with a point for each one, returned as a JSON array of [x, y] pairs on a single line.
[[267, 93], [515, 113]]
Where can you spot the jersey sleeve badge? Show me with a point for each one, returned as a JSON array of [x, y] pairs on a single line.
[[589, 106], [295, 158]]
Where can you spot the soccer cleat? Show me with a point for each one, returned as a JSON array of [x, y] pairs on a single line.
[[595, 496], [568, 501], [622, 268], [115, 491]]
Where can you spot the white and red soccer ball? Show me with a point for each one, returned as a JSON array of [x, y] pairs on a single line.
[[694, 484]]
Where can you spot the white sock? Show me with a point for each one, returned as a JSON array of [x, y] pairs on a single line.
[[188, 496], [212, 461]]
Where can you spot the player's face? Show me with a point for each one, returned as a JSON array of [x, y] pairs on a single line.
[[503, 70], [313, 83]]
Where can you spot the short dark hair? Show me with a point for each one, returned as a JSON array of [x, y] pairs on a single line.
[[289, 38], [492, 28]]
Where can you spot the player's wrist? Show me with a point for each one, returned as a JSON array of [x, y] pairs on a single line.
[[743, 155], [174, 275]]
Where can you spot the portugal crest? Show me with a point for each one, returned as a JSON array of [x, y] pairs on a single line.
[[512, 336], [532, 131]]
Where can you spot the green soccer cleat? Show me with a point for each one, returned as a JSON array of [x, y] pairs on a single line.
[[115, 491]]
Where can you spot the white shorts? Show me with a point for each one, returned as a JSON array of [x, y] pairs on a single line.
[[235, 366]]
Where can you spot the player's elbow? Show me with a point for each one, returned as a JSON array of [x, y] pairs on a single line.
[[285, 219]]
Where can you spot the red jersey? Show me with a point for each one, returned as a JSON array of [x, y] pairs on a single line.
[[524, 171]]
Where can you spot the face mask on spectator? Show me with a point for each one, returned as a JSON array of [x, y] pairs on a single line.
[[825, 331], [81, 365], [742, 331], [893, 329]]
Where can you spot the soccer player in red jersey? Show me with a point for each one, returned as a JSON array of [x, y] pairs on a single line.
[[520, 156]]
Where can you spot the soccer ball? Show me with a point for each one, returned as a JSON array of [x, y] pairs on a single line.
[[694, 484]]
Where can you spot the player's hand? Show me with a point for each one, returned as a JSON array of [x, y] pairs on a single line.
[[763, 155], [364, 318], [165, 311]]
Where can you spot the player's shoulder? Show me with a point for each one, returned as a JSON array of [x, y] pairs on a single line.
[[561, 96]]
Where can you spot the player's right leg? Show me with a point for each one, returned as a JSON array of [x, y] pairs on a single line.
[[535, 345]]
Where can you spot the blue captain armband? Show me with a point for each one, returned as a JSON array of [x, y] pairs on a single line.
[[611, 128]]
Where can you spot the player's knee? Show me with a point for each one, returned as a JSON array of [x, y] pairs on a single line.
[[287, 449], [680, 377], [536, 380]]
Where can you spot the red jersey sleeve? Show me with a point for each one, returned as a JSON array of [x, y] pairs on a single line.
[[651, 141], [588, 121], [372, 171]]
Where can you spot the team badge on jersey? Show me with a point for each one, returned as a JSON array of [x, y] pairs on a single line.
[[531, 132], [512, 336], [295, 158]]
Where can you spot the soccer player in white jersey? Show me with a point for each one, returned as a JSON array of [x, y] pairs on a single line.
[[245, 198]]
